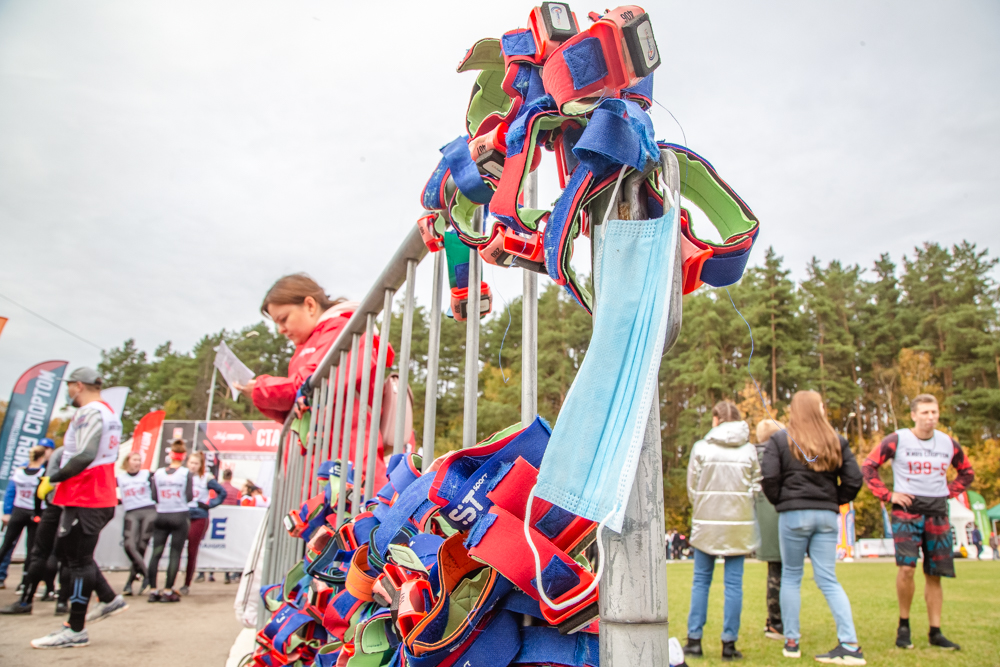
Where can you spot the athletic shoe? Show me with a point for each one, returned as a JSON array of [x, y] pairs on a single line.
[[200, 578], [227, 578], [17, 608], [903, 637], [693, 648], [155, 597], [142, 589], [61, 608], [20, 589], [47, 596], [3, 584], [106, 610], [729, 651], [211, 577], [185, 590], [792, 649], [841, 655], [940, 641], [127, 591], [62, 638], [172, 596], [772, 632]]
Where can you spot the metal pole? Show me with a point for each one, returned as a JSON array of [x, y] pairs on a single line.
[[338, 423], [324, 452], [211, 394], [319, 410], [359, 444], [433, 355], [383, 352], [529, 323], [345, 446], [472, 342], [406, 336], [310, 447], [633, 588]]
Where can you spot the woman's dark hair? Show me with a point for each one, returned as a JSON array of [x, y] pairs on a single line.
[[726, 411], [293, 289], [178, 446]]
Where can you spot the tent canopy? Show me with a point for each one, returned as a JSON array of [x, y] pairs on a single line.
[[994, 512]]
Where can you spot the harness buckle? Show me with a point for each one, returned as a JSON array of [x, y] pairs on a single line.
[[693, 256], [494, 252], [490, 151], [460, 302], [528, 251], [433, 240]]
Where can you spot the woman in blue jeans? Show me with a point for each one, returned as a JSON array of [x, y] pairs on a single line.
[[809, 472], [723, 477]]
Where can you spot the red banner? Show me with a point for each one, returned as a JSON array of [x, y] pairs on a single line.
[[146, 435], [234, 436]]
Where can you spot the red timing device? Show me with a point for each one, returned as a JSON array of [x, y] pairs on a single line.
[[460, 302], [551, 24], [433, 240]]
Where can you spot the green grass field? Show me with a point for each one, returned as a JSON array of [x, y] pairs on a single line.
[[971, 615]]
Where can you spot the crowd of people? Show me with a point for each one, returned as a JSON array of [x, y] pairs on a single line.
[[780, 500], [65, 496]]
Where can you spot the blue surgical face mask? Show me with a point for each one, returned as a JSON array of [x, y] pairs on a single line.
[[592, 456]]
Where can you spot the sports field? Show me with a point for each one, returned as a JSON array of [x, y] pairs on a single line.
[[971, 615]]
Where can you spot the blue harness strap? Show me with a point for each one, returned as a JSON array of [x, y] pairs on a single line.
[[545, 646]]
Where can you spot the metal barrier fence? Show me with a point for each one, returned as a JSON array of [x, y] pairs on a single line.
[[633, 588]]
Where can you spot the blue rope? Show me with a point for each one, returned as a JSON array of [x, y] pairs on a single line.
[[757, 386]]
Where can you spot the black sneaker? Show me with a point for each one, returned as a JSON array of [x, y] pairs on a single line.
[[17, 608], [729, 651], [903, 637], [172, 596], [153, 597], [61, 609], [773, 632], [127, 591], [841, 655], [940, 641], [792, 649], [693, 648], [48, 596], [200, 578]]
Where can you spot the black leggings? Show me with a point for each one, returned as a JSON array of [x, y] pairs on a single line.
[[79, 530], [174, 525], [20, 519], [43, 561], [135, 537]]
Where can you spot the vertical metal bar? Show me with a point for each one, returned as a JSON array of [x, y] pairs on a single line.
[[345, 446], [433, 355], [359, 444], [472, 342], [310, 446], [294, 487], [273, 523], [383, 351], [338, 423], [529, 323], [324, 452], [406, 336], [211, 393], [633, 588], [319, 410]]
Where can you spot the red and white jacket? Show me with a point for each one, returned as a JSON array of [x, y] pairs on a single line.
[[275, 396], [86, 476]]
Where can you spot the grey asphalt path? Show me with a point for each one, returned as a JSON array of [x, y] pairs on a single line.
[[197, 631]]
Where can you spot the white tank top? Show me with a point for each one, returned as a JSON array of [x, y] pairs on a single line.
[[170, 490], [25, 486], [920, 467], [200, 488], [135, 490]]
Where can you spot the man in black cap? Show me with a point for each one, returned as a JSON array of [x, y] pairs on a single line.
[[85, 489]]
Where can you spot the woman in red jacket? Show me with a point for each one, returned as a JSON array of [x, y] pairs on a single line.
[[308, 317]]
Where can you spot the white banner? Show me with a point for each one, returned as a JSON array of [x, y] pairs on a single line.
[[227, 543], [115, 397]]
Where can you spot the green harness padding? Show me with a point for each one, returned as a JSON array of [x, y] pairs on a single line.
[[463, 600], [300, 425], [456, 253], [701, 189]]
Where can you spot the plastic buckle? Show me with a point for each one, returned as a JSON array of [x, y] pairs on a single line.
[[490, 151], [552, 24], [294, 523], [460, 302], [693, 256], [318, 542], [527, 249], [580, 615], [433, 240], [411, 604]]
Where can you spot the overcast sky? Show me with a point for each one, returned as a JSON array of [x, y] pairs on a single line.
[[162, 163]]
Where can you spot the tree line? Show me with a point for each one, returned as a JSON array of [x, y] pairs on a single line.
[[867, 339]]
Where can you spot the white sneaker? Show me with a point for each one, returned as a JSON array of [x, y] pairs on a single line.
[[102, 611], [62, 638]]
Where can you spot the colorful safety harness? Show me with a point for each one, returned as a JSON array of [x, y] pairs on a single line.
[[582, 94]]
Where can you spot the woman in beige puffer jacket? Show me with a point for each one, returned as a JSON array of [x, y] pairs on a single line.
[[723, 478]]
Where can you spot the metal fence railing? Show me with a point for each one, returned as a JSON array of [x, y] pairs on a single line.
[[633, 594]]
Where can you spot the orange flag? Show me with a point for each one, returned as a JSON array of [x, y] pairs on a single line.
[[3, 321]]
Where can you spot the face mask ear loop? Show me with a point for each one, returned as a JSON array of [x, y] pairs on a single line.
[[538, 563], [614, 194]]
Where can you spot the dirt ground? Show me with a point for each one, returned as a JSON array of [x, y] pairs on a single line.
[[197, 631]]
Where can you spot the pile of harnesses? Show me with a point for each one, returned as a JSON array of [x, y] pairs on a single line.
[[584, 95], [438, 569]]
